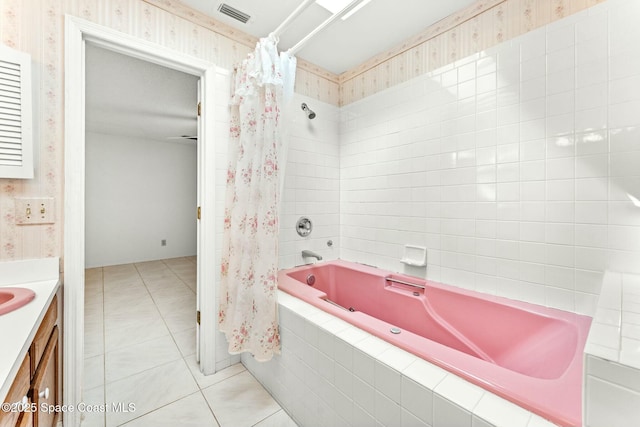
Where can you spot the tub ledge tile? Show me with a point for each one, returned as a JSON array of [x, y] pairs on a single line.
[[397, 358], [538, 421], [500, 412], [425, 373], [320, 317], [353, 335], [296, 305], [372, 346], [460, 392], [336, 325]]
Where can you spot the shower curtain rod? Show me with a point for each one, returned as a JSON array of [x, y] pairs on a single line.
[[322, 26], [282, 27], [306, 3]]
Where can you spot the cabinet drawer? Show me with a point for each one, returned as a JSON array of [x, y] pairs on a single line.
[[18, 390], [45, 383], [42, 336]]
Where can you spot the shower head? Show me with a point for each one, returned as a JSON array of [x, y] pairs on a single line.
[[310, 114]]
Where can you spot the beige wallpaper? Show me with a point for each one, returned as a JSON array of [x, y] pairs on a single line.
[[37, 27], [480, 26], [311, 80]]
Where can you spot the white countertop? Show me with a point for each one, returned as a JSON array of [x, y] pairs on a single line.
[[18, 327]]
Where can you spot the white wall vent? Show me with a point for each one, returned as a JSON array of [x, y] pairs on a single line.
[[16, 140], [233, 13]]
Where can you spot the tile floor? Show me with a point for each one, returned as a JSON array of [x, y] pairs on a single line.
[[140, 348]]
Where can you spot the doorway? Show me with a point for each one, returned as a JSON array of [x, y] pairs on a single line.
[[140, 231], [79, 33], [141, 160]]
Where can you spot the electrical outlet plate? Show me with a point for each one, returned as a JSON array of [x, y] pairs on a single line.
[[35, 210]]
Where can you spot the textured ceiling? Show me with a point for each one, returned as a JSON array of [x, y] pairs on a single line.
[[128, 96], [377, 27]]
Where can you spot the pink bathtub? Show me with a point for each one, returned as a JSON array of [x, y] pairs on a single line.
[[528, 354]]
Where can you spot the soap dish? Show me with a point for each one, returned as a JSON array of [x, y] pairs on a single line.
[[415, 256]]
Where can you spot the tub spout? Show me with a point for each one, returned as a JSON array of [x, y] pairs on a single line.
[[310, 254]]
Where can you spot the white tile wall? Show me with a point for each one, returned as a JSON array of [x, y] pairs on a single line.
[[612, 355], [521, 179], [518, 169], [312, 183], [332, 373]]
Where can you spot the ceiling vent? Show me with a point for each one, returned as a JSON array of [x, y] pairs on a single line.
[[233, 13]]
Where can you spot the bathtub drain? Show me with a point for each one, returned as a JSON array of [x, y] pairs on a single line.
[[395, 330]]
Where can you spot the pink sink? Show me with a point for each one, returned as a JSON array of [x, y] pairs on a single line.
[[14, 298]]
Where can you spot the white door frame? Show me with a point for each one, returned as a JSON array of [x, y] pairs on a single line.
[[77, 33]]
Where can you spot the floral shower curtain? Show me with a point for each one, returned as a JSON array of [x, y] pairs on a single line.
[[248, 308]]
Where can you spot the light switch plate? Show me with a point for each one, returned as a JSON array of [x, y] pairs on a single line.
[[35, 210]]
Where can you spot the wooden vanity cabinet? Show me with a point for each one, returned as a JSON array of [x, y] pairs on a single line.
[[45, 367], [44, 385], [19, 389], [37, 377], [25, 420], [42, 338]]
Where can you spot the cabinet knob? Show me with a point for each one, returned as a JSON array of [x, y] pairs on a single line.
[[44, 393]]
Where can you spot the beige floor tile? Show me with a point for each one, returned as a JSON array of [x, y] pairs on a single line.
[[93, 339], [192, 285], [190, 411], [93, 372], [160, 286], [92, 286], [93, 298], [178, 263], [230, 400], [94, 396], [114, 279], [117, 270], [146, 310], [149, 266], [143, 315], [205, 381], [186, 341], [279, 419], [126, 292], [179, 321], [122, 282], [139, 357], [93, 321], [126, 334], [157, 273], [132, 308], [178, 304], [93, 274], [178, 291], [149, 390]]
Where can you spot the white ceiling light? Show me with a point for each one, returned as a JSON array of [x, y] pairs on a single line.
[[335, 6]]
